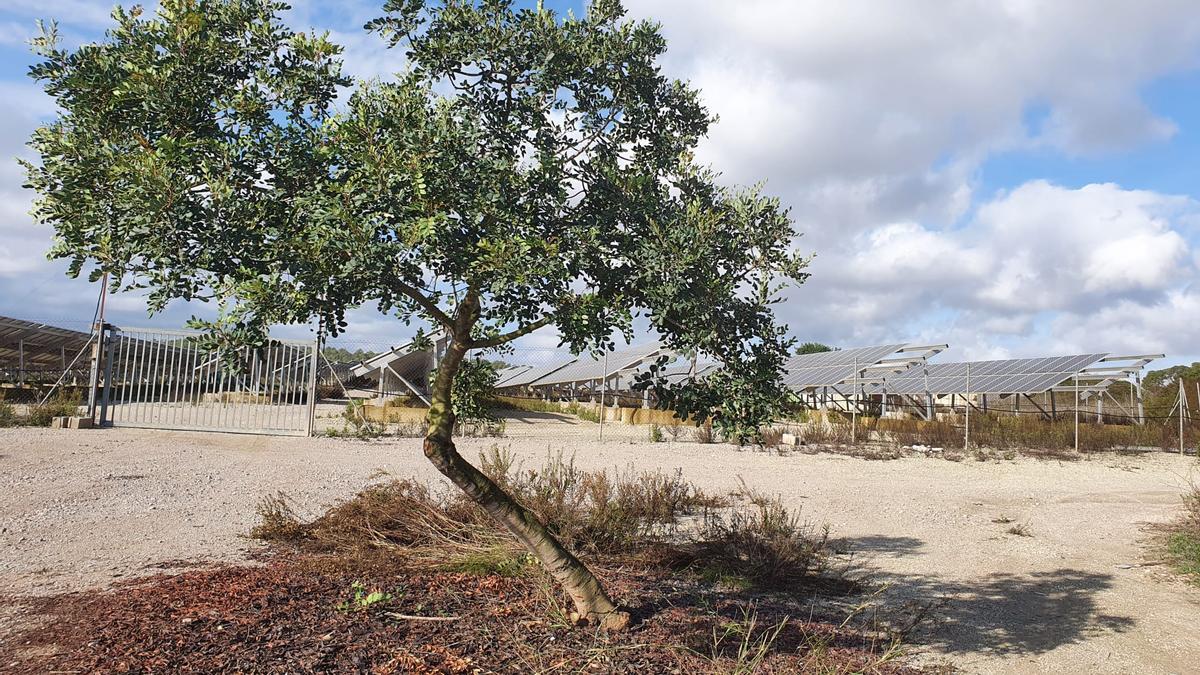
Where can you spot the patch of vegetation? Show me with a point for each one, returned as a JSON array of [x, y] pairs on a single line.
[[499, 561], [64, 403], [8, 413], [1020, 529], [362, 599], [1183, 537], [655, 434]]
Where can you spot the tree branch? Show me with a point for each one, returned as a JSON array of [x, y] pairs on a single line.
[[425, 303], [511, 335]]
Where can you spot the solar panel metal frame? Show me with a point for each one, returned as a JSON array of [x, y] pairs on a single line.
[[1001, 376]]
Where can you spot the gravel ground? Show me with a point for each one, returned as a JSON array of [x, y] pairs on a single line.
[[1082, 593]]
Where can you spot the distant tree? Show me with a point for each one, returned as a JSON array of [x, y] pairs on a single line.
[[525, 170], [813, 348], [341, 355], [1167, 377]]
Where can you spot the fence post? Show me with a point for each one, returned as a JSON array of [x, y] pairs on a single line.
[[94, 374], [109, 347], [314, 363]]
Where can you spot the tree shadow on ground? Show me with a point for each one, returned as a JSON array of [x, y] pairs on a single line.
[[515, 416], [1016, 613], [879, 544]]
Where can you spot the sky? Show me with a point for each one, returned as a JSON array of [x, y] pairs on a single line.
[[1010, 177]]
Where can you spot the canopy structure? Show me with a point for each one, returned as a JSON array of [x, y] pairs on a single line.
[[405, 367], [36, 352]]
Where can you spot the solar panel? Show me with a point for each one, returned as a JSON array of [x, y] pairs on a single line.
[[589, 368], [827, 369], [1005, 376], [532, 374]]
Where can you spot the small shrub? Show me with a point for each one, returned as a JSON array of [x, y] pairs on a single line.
[[704, 434], [277, 520], [655, 433], [765, 543]]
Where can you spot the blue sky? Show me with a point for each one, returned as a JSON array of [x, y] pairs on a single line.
[[1011, 178]]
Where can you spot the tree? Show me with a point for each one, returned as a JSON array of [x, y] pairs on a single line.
[[813, 348], [525, 170]]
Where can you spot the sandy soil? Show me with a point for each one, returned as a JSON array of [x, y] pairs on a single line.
[[1082, 594]]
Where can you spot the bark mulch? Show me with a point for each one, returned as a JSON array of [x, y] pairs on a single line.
[[296, 613]]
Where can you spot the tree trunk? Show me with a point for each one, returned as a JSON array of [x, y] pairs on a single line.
[[592, 604]]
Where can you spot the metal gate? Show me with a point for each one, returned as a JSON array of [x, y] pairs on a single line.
[[165, 379]]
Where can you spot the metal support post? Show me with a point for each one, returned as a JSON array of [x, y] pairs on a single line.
[[1076, 378], [603, 388], [967, 398], [854, 409]]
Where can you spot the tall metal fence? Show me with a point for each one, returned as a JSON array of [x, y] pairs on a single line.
[[167, 379]]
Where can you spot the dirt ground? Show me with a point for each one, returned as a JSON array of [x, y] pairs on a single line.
[[1082, 593]]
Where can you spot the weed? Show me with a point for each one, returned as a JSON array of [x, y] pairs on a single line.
[[704, 433], [361, 599], [751, 642], [1020, 529]]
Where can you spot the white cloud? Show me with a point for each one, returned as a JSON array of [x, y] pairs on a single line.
[[865, 111], [1039, 251]]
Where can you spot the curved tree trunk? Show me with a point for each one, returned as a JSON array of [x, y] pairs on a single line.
[[592, 604]]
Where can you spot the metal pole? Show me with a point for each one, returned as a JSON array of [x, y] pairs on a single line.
[[21, 362], [603, 386], [967, 398], [1181, 403], [854, 408], [1076, 377]]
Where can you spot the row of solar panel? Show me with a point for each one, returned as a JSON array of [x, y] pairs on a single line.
[[837, 369]]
